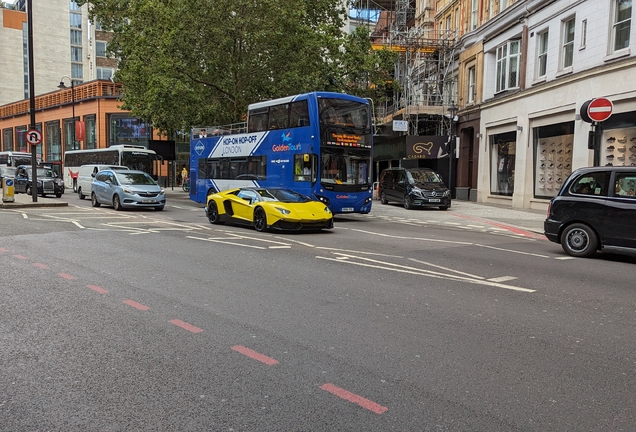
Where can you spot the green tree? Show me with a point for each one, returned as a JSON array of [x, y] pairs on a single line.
[[201, 62]]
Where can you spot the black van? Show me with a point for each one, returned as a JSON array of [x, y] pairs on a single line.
[[413, 187]]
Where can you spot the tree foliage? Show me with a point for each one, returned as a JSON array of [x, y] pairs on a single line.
[[201, 62]]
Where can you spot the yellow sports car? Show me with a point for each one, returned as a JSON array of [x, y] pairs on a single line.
[[268, 208]]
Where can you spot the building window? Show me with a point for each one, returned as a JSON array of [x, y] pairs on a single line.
[[567, 44], [502, 169], [98, 25], [7, 139], [52, 141], [20, 139], [100, 48], [552, 157], [104, 73], [542, 53], [76, 37], [621, 24], [502, 5], [90, 141], [76, 71], [69, 135], [76, 54], [508, 56], [76, 20], [474, 14], [583, 34], [73, 6], [457, 21], [448, 23], [471, 84]]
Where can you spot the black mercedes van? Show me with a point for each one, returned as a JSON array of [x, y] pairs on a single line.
[[413, 187]]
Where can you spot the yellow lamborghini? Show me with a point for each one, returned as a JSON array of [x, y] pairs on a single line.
[[268, 208]]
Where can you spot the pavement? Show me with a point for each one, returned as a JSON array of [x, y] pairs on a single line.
[[521, 220]]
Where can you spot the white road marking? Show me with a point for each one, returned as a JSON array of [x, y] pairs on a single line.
[[413, 238], [502, 279], [24, 215], [298, 242], [78, 225], [447, 269], [358, 252], [565, 258], [279, 247], [227, 242], [410, 270], [513, 251]]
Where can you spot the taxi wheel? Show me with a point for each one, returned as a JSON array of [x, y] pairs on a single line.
[[260, 219], [213, 213], [579, 240], [28, 190], [383, 199], [94, 201], [80, 194], [117, 203]]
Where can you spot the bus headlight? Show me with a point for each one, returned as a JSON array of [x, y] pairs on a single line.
[[282, 210], [323, 199]]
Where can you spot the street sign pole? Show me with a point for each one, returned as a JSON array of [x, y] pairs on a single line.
[[34, 148]]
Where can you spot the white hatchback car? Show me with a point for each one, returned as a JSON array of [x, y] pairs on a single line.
[[126, 189]]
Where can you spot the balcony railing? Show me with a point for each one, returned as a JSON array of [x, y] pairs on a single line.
[[86, 91]]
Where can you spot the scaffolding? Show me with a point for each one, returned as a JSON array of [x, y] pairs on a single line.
[[424, 70]]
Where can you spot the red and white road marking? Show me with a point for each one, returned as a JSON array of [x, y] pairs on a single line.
[[255, 355], [40, 265], [66, 276], [186, 326], [136, 305], [352, 397], [98, 289]]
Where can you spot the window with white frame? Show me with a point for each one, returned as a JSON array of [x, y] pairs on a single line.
[[502, 5], [583, 34], [621, 24], [542, 53], [448, 23], [508, 57], [457, 21], [100, 49], [474, 14], [104, 73], [471, 84], [567, 43]]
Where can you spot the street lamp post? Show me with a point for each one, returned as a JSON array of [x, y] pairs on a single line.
[[451, 145], [62, 86]]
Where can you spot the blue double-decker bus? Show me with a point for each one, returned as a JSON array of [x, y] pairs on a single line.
[[318, 144]]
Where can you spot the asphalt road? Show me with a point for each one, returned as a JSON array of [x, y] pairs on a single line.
[[398, 320]]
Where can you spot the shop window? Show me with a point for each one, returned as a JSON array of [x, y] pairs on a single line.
[[621, 24], [619, 147], [20, 139], [53, 143], [90, 140], [305, 167], [567, 43], [7, 139], [553, 147], [502, 156], [127, 130]]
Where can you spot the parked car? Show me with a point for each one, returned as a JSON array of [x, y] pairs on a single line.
[[271, 208], [86, 175], [413, 187], [49, 183], [595, 210], [126, 189]]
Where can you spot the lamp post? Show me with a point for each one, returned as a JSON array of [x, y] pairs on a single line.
[[451, 145], [62, 86]]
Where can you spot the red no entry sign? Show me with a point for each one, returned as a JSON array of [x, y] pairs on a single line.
[[600, 109]]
